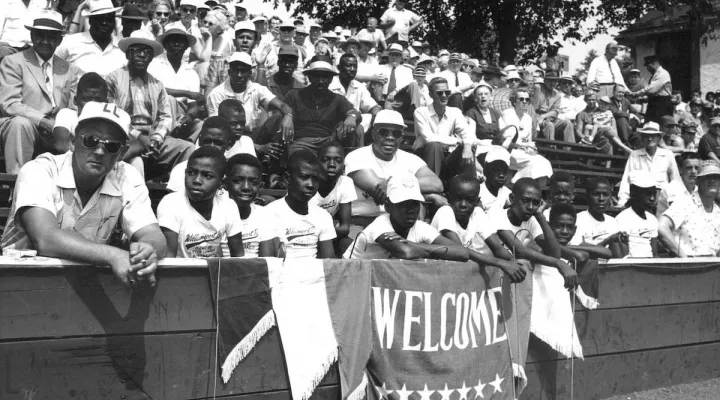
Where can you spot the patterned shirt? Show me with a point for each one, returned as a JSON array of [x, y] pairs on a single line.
[[697, 229]]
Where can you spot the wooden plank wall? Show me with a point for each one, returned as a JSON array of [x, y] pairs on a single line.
[[74, 333]]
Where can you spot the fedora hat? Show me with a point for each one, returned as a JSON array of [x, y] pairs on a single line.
[[176, 31], [47, 20], [99, 7], [138, 38], [132, 11], [319, 66]]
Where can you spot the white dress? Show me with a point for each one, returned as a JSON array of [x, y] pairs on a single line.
[[525, 165]]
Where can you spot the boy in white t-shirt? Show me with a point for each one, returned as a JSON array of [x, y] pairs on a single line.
[[234, 112], [465, 223], [524, 222], [306, 229], [594, 226], [494, 195], [196, 221], [242, 182], [90, 87], [638, 220], [399, 233]]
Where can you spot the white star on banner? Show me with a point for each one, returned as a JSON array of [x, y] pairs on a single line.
[[383, 392], [463, 391], [479, 389], [425, 393], [404, 393], [496, 383], [446, 393]]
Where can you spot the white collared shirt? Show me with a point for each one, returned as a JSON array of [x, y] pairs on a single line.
[[403, 20], [357, 94], [255, 100], [48, 182], [462, 77], [13, 18], [184, 79], [662, 166], [49, 73], [450, 129], [603, 70], [403, 76], [81, 50]]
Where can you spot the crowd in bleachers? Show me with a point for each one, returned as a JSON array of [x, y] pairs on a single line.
[[379, 146]]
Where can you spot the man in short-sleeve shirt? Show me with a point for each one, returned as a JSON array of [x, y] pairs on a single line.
[[398, 23], [709, 148]]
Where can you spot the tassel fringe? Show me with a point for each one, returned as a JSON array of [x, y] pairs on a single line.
[[309, 387], [588, 302], [248, 343]]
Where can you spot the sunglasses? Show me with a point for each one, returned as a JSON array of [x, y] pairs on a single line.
[[287, 29], [162, 14], [188, 10], [384, 132], [141, 51], [92, 142], [524, 99], [443, 93]]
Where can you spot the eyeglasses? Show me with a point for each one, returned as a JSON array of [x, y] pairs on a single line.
[[443, 93], [162, 14], [523, 99], [141, 51], [384, 132], [92, 142], [189, 10]]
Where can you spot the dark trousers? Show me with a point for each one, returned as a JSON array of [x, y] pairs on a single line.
[[623, 129], [442, 162], [657, 107]]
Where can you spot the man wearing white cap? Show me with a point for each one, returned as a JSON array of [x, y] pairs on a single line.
[[35, 85], [398, 22], [68, 205], [660, 163], [241, 13], [691, 226], [371, 166], [605, 72], [398, 75], [637, 220], [14, 16]]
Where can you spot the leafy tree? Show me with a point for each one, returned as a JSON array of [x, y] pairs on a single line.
[[585, 65]]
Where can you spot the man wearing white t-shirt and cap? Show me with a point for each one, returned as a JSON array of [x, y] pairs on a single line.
[[371, 167]]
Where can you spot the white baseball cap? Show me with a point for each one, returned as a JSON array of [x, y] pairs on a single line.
[[404, 187], [389, 117], [395, 48], [497, 153], [108, 112], [642, 179], [245, 26], [240, 56]]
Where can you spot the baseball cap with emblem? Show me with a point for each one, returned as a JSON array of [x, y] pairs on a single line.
[[241, 57], [93, 111], [395, 48], [47, 20], [404, 187], [642, 179], [709, 167]]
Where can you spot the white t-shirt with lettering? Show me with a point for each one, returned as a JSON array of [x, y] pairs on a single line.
[[640, 232], [527, 231], [198, 237], [258, 227], [473, 237], [364, 158], [364, 247], [342, 193], [301, 233], [592, 231]]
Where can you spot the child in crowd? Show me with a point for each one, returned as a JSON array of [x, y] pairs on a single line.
[[465, 223], [90, 87], [524, 222], [561, 189], [336, 191], [399, 233], [638, 220], [242, 182], [215, 132], [602, 120], [306, 229], [232, 110], [594, 226], [196, 221], [563, 222], [494, 195]]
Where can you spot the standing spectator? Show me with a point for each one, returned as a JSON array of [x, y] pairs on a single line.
[[376, 34], [442, 133], [35, 85], [605, 72], [659, 163], [14, 17], [658, 91], [96, 50], [398, 23], [709, 148], [685, 187], [691, 226]]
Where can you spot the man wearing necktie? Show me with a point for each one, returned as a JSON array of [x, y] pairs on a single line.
[[35, 85], [604, 71], [398, 76], [458, 81]]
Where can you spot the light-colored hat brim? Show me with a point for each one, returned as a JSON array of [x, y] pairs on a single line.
[[102, 11], [154, 44], [43, 28]]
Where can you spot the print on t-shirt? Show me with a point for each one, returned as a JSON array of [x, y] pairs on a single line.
[[205, 245]]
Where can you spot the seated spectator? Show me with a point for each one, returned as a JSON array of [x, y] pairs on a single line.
[[305, 229], [465, 223], [456, 80], [16, 15], [691, 226], [700, 117], [398, 76], [626, 117], [688, 134], [709, 148], [233, 112], [399, 233], [355, 92], [637, 220], [494, 195], [601, 132], [678, 102], [319, 115], [546, 103], [524, 158], [525, 222], [594, 226], [283, 80], [255, 98], [370, 167], [90, 87], [216, 132], [682, 188], [336, 192], [95, 50], [218, 47], [485, 117], [196, 222], [671, 139], [442, 137], [68, 205], [660, 163], [416, 94], [35, 85], [242, 182], [561, 188], [563, 220], [570, 105]]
